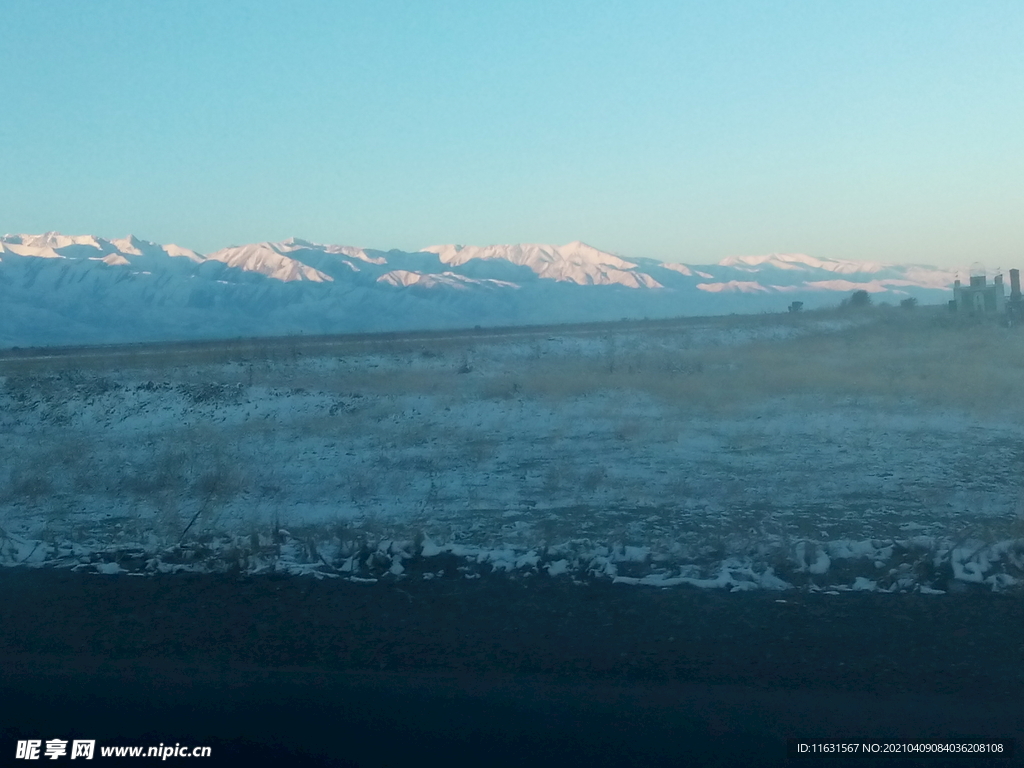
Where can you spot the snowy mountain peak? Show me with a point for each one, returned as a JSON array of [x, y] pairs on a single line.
[[51, 240], [575, 262], [580, 250], [800, 261], [268, 259], [46, 240], [130, 245], [177, 250], [54, 245]]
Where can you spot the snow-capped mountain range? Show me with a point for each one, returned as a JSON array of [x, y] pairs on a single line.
[[61, 289]]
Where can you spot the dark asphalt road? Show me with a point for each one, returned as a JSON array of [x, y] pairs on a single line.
[[294, 671]]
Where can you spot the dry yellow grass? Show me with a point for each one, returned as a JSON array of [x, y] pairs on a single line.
[[903, 357], [921, 356]]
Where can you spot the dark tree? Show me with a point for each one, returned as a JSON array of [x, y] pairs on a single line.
[[860, 299]]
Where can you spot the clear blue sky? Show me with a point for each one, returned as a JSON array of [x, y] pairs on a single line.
[[691, 131]]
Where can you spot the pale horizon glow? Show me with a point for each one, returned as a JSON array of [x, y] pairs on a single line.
[[684, 132]]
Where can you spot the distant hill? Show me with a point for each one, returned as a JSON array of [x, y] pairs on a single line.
[[61, 289]]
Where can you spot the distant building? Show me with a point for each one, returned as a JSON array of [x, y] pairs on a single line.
[[979, 298], [1015, 307]]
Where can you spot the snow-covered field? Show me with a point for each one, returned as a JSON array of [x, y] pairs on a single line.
[[874, 451]]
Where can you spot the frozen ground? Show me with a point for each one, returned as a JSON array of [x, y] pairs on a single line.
[[823, 453]]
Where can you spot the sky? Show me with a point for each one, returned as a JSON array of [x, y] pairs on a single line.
[[681, 131]]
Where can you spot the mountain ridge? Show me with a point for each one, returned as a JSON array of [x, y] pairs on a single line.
[[58, 288]]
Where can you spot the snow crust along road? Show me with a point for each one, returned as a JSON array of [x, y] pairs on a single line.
[[564, 456]]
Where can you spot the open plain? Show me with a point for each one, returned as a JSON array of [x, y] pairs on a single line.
[[872, 450]]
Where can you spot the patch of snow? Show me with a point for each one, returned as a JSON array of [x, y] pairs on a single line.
[[680, 268], [739, 286]]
